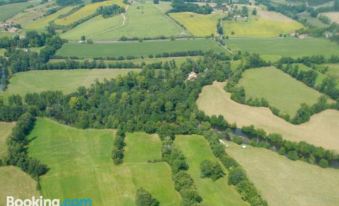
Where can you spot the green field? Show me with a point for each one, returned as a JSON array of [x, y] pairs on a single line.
[[278, 88], [291, 47], [265, 24], [17, 183], [196, 149], [136, 48], [66, 81], [9, 10], [5, 131], [333, 70], [197, 24], [81, 165], [283, 182], [141, 20]]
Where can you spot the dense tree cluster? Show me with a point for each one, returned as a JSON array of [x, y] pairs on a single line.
[[144, 198], [182, 6], [294, 151], [211, 170], [108, 11], [17, 147], [119, 144], [68, 2]]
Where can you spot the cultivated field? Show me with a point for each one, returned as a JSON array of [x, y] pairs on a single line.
[[136, 48], [197, 24], [196, 149], [283, 182], [5, 131], [278, 88], [9, 10], [59, 80], [334, 16], [42, 22], [265, 24], [291, 47], [15, 182], [141, 20], [81, 165], [322, 130], [85, 11]]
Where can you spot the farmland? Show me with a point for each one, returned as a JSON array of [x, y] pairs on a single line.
[[196, 149], [84, 12], [132, 24], [61, 80], [214, 100], [197, 24], [283, 182], [282, 91], [9, 10], [291, 47], [266, 24], [80, 162], [16, 183], [136, 48], [5, 131], [333, 70]]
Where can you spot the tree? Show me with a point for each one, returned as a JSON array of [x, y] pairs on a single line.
[[144, 198], [336, 5], [236, 175], [156, 1], [211, 170], [323, 163]]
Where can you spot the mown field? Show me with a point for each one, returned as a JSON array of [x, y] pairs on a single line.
[[9, 10], [283, 182], [141, 20], [59, 80], [85, 11], [81, 165], [278, 88], [15, 182], [136, 48], [322, 129], [5, 131], [265, 24], [291, 47], [196, 149], [197, 24]]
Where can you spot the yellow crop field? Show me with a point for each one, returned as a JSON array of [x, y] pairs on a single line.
[[197, 24], [85, 11]]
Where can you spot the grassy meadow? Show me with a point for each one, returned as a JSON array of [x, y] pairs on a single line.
[[278, 88], [136, 48], [141, 20], [81, 165], [291, 47], [333, 70], [214, 100], [5, 131], [196, 149], [283, 182], [85, 11], [9, 10], [66, 81], [14, 182], [265, 24], [197, 24]]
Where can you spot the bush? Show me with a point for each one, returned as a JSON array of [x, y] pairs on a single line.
[[236, 175]]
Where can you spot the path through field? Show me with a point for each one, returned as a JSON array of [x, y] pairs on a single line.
[[124, 16]]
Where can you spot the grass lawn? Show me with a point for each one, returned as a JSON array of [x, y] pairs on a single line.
[[9, 10], [66, 81], [136, 48], [85, 11], [41, 23], [278, 88], [322, 129], [283, 182], [265, 24], [333, 70], [5, 131], [14, 182], [197, 24], [141, 20], [81, 165], [196, 149], [287, 47]]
